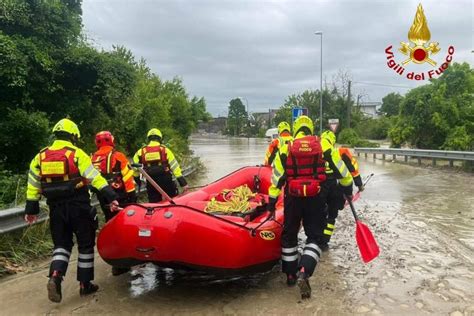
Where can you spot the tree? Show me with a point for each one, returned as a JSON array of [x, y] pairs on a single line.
[[48, 72], [237, 117], [391, 104], [438, 115], [334, 106]]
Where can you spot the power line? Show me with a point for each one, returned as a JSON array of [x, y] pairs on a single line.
[[382, 84]]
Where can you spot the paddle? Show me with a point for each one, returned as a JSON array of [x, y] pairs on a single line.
[[357, 195], [139, 166], [368, 247]]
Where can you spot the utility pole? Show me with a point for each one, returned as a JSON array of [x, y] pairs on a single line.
[[349, 105]]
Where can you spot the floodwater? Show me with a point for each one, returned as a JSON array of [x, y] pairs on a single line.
[[422, 219]]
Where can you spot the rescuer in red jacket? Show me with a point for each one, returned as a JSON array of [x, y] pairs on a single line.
[[115, 168]]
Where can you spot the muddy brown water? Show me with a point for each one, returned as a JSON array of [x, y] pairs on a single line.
[[421, 217]]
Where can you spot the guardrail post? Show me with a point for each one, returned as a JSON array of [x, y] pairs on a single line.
[[451, 163], [365, 155], [383, 156], [406, 158], [419, 161], [358, 154], [434, 162], [394, 157], [375, 156]]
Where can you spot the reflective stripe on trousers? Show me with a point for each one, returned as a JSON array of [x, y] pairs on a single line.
[[313, 251], [60, 260], [85, 266], [289, 254]]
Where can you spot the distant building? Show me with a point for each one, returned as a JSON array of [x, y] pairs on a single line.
[[265, 118], [215, 125], [369, 109]]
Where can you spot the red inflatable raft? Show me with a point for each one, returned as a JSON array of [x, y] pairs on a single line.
[[184, 236]]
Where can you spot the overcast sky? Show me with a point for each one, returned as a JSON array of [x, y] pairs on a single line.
[[266, 50]]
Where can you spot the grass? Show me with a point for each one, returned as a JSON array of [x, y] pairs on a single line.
[[19, 248]]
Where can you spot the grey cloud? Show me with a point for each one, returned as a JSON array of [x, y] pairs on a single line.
[[266, 50]]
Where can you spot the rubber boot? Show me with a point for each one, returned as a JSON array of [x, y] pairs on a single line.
[[303, 284], [87, 288], [54, 287], [291, 280], [323, 246]]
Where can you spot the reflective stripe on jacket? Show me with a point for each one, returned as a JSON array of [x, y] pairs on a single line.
[[274, 147], [173, 163], [110, 162], [81, 160], [335, 166]]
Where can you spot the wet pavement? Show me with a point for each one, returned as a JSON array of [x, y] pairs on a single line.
[[422, 219]]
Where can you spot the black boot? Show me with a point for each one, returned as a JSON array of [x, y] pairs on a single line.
[[87, 288], [323, 246], [303, 284], [291, 280], [54, 287]]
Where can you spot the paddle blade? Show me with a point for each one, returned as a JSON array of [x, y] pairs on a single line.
[[366, 242]]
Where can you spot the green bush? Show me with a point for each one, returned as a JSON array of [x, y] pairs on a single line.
[[374, 128], [350, 137], [12, 188]]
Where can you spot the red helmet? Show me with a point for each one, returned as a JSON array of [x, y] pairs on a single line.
[[104, 138]]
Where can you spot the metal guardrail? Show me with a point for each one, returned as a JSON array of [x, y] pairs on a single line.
[[418, 153], [12, 219]]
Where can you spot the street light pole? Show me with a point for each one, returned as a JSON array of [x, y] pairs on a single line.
[[321, 86]]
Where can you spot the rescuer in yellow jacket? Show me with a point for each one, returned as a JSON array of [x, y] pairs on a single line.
[[299, 167], [61, 173], [284, 136], [160, 163], [338, 183]]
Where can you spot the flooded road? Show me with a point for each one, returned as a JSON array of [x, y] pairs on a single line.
[[422, 219]]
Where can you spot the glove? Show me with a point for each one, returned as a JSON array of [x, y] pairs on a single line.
[[271, 206], [114, 206], [109, 194], [31, 219], [132, 197], [361, 188], [182, 182], [32, 207], [138, 181]]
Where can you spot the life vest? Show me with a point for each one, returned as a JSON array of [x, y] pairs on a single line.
[[346, 155], [60, 177], [304, 167], [155, 160], [110, 168], [275, 146]]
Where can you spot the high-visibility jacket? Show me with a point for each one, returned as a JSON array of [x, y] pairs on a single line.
[[61, 167], [351, 164], [155, 154], [335, 166], [275, 146], [114, 166], [280, 174]]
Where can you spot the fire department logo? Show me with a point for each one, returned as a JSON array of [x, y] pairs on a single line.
[[419, 35], [419, 50]]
